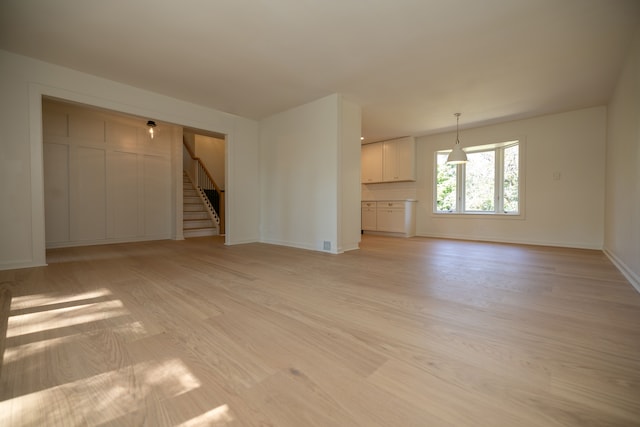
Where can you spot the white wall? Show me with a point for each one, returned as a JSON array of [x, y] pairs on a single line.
[[565, 212], [301, 177], [242, 193], [349, 176], [622, 214], [211, 152], [24, 81]]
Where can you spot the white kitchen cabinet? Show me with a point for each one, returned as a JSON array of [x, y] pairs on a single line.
[[371, 164], [369, 220], [398, 160], [389, 161], [389, 217]]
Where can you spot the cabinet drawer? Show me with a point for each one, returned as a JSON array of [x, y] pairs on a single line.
[[390, 205], [369, 204]]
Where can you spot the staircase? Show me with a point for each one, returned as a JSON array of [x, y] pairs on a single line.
[[196, 220]]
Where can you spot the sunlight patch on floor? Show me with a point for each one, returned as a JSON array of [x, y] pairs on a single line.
[[103, 397], [37, 300], [216, 416], [13, 354], [23, 324]]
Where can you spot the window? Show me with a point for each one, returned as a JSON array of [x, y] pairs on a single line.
[[488, 184]]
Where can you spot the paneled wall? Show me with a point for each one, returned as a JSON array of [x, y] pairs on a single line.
[[105, 180]]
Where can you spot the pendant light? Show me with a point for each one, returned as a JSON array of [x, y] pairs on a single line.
[[152, 126], [457, 155]]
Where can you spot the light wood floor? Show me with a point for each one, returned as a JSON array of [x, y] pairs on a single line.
[[404, 332]]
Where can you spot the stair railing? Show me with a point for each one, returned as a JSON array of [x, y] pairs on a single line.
[[211, 193]]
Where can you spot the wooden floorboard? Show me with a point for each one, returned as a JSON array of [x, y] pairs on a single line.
[[403, 332]]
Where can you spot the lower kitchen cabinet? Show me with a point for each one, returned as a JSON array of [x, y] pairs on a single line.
[[391, 217], [369, 216]]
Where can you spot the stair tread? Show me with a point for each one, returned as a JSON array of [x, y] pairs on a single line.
[[200, 233], [198, 223], [196, 219]]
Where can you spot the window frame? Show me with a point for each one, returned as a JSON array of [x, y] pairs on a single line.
[[498, 211]]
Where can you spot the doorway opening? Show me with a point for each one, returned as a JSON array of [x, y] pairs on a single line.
[[204, 181]]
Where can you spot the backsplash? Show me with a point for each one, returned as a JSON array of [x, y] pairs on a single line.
[[389, 191]]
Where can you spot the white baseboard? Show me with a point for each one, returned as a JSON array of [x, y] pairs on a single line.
[[109, 241], [19, 265], [298, 246], [632, 277], [353, 246], [387, 233], [514, 241], [243, 241]]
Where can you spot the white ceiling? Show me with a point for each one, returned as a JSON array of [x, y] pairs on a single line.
[[410, 64]]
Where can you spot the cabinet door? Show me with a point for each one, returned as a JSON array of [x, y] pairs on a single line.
[[399, 160], [371, 163], [391, 217], [369, 216], [406, 159], [389, 161]]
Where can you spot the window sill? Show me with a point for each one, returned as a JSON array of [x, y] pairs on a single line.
[[476, 215]]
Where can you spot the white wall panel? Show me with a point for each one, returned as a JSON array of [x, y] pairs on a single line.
[[115, 191], [122, 195], [157, 200], [55, 123], [87, 128], [88, 194], [56, 191], [122, 135]]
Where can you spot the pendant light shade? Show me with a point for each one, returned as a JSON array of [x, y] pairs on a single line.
[[457, 154]]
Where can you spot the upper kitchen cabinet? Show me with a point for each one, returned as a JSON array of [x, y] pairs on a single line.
[[371, 167], [399, 160], [389, 161]]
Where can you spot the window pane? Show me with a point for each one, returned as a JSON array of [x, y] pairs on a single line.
[[445, 185], [480, 182], [511, 164]]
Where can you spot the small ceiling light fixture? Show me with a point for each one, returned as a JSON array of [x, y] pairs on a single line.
[[151, 125], [457, 155]]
